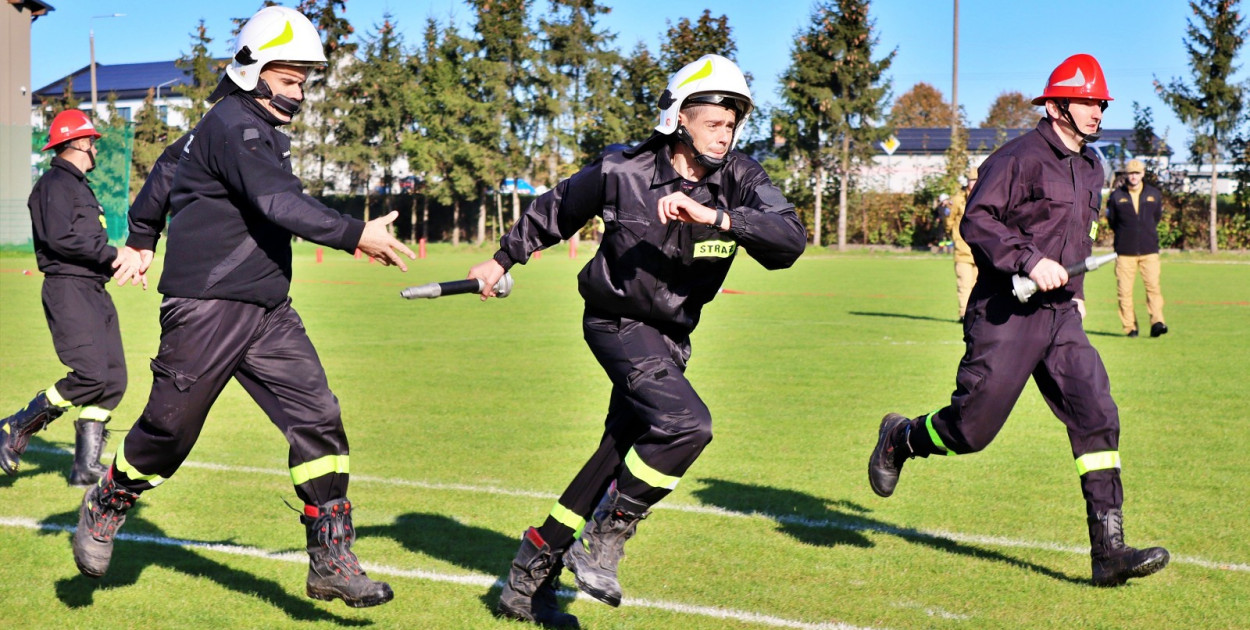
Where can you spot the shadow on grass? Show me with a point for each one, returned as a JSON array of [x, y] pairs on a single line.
[[440, 536], [904, 316], [42, 457], [816, 521], [1102, 333], [468, 547], [130, 558]]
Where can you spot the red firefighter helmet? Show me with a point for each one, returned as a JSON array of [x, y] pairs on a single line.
[[68, 125], [1079, 76]]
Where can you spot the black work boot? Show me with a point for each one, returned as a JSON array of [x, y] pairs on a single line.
[[594, 557], [1115, 562], [102, 513], [529, 594], [333, 569], [89, 439], [891, 451], [15, 430]]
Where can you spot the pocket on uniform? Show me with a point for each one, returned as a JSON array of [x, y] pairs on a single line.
[[653, 369], [182, 381], [65, 343]]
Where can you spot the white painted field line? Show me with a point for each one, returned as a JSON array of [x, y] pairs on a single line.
[[845, 525], [469, 579]]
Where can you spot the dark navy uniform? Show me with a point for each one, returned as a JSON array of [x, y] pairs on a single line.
[[150, 209], [1036, 199], [72, 250], [235, 205], [644, 291]]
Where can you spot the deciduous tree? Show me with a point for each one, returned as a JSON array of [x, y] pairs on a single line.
[[921, 106], [1011, 110]]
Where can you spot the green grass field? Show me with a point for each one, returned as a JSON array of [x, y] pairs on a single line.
[[466, 419]]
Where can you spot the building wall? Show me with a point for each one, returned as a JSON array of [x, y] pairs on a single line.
[[15, 168]]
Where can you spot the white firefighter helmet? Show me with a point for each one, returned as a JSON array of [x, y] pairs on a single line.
[[274, 34], [709, 79]]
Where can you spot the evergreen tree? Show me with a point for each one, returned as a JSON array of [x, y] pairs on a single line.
[[1213, 105], [313, 130], [573, 82], [50, 106], [369, 132], [833, 93], [151, 136], [921, 106], [686, 42], [506, 45], [440, 144], [642, 81], [204, 70]]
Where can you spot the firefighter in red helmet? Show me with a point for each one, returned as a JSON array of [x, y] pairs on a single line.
[[1033, 212], [72, 250]]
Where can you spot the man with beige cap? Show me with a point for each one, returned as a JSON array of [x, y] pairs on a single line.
[[1133, 213]]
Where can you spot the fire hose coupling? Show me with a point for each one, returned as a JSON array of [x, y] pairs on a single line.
[[503, 288], [1023, 287]]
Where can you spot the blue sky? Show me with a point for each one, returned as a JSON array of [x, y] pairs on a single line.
[[1003, 45]]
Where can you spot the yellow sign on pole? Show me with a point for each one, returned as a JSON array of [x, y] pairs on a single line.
[[890, 145]]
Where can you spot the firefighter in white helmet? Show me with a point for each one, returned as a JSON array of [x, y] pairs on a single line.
[[676, 209], [234, 206]]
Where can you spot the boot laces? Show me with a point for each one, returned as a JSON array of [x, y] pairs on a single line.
[[109, 510], [335, 535]]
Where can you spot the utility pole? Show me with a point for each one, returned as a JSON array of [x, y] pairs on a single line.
[[955, 76], [91, 39]]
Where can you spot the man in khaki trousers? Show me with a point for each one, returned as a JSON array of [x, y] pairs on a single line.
[[965, 266], [1133, 212]]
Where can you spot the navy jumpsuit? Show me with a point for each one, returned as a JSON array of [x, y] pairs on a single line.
[[644, 291], [1035, 199]]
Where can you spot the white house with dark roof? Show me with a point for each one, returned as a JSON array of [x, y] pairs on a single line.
[[920, 154], [130, 82]]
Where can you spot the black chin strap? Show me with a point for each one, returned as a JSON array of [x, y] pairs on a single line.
[[1067, 115], [287, 106], [90, 156], [706, 161]]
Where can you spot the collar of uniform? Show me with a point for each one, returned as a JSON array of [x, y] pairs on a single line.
[[1061, 150], [666, 174], [62, 163], [255, 107]]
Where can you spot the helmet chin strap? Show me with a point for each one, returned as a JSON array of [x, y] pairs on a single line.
[[90, 156], [1067, 115], [706, 161], [288, 106]]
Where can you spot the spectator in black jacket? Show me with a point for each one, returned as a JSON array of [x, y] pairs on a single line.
[[676, 209], [1133, 212], [72, 250], [235, 205]]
